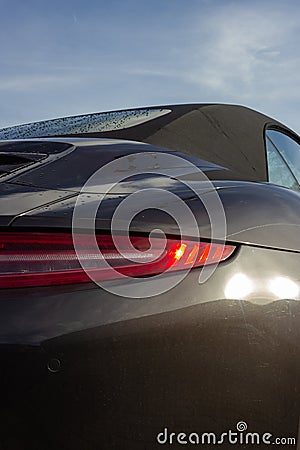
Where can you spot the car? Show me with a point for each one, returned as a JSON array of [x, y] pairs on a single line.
[[149, 280]]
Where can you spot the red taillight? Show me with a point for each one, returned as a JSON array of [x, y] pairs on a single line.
[[41, 259]]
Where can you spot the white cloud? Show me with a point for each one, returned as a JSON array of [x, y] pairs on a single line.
[[29, 82], [246, 53]]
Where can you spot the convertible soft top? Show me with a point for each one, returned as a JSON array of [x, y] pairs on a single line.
[[228, 135]]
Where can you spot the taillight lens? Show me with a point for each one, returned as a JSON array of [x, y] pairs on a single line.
[[41, 259]]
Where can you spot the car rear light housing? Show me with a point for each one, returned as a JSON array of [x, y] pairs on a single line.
[[42, 259]]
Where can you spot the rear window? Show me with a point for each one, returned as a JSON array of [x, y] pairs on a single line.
[[88, 123]]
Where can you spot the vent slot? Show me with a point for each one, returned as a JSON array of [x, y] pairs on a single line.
[[14, 161]]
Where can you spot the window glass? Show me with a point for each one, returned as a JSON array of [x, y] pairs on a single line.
[[279, 172], [288, 148], [87, 123]]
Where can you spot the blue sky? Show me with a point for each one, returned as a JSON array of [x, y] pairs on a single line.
[[88, 56]]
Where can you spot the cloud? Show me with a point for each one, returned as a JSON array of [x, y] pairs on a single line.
[[246, 53], [33, 82]]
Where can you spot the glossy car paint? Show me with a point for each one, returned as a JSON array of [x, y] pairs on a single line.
[[82, 368]]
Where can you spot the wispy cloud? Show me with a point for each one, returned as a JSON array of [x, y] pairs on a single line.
[[33, 82], [245, 51]]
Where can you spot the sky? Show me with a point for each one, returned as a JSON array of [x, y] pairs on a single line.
[[77, 57]]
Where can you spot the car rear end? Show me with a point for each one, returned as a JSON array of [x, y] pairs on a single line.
[[197, 338]]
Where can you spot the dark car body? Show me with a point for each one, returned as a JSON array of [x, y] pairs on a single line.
[[83, 368]]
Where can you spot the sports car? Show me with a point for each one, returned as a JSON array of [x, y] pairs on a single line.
[[149, 280]]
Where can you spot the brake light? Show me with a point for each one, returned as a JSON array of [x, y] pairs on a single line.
[[41, 259]]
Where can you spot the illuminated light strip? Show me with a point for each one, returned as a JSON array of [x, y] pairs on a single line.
[[204, 254], [192, 255]]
